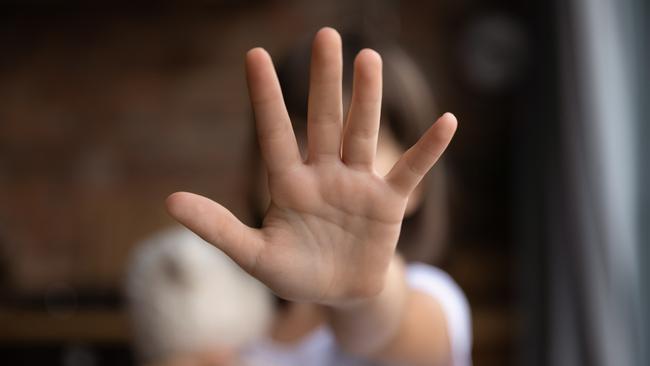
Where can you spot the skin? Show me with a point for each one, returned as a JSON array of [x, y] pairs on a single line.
[[330, 232]]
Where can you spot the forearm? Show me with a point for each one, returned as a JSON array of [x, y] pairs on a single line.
[[400, 324]]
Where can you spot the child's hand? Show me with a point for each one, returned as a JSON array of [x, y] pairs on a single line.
[[333, 223]]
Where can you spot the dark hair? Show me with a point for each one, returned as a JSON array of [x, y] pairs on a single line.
[[408, 110]]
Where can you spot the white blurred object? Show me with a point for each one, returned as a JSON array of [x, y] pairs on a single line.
[[186, 296]]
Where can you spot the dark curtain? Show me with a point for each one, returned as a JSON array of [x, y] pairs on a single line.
[[582, 203]]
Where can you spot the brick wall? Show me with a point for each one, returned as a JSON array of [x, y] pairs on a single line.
[[103, 112]]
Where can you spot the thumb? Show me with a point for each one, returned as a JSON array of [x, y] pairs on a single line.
[[218, 226]]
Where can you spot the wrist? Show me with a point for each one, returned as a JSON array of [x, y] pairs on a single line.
[[392, 288], [364, 326]]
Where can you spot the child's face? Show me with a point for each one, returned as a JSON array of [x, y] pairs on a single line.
[[388, 152]]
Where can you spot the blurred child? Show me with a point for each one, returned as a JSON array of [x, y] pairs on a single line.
[[337, 190]]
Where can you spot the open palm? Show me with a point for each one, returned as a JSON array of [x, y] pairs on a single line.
[[333, 223]]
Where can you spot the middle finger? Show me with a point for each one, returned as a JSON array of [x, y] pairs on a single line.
[[325, 109]]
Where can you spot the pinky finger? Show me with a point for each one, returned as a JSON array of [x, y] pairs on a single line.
[[416, 161]]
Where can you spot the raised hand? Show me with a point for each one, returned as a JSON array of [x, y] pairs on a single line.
[[333, 223]]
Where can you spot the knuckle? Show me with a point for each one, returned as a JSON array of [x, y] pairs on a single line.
[[325, 117]]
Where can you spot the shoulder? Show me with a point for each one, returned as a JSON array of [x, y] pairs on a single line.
[[439, 285]]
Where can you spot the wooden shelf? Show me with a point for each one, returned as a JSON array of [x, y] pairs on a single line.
[[18, 325]]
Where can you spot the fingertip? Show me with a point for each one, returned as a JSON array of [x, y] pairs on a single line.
[[449, 120], [256, 50], [369, 54], [326, 38], [259, 67], [175, 201], [449, 115], [328, 32], [368, 63], [257, 54]]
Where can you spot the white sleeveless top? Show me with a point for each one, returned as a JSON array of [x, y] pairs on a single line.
[[320, 349]]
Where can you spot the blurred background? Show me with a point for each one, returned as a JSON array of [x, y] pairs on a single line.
[[106, 108]]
